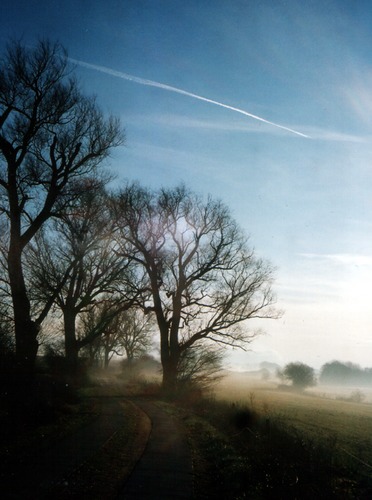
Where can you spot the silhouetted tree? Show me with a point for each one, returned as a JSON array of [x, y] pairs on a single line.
[[200, 366], [75, 266], [345, 373], [204, 280], [51, 137], [129, 332], [300, 375], [134, 330]]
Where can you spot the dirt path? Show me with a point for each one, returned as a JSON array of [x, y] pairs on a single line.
[[52, 466], [165, 469]]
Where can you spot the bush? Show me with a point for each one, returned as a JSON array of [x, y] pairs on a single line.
[[300, 375], [243, 418], [199, 368], [356, 396]]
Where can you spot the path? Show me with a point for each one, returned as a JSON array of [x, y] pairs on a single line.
[[165, 470], [51, 466]]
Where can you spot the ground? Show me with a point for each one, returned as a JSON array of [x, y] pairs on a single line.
[[261, 443]]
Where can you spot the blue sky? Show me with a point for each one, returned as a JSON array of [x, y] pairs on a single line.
[[306, 202]]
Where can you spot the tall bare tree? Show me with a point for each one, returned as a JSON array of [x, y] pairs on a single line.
[[51, 136], [205, 281], [75, 266]]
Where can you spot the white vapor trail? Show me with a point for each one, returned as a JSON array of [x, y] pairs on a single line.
[[151, 83]]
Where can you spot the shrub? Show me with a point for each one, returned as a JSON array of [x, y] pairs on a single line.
[[300, 375]]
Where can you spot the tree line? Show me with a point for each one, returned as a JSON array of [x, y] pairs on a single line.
[[71, 248], [339, 373], [345, 373]]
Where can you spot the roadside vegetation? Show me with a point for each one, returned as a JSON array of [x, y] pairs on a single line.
[[103, 473], [249, 439], [300, 445], [260, 442]]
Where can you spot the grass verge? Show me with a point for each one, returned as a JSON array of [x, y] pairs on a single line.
[[239, 454], [102, 476]]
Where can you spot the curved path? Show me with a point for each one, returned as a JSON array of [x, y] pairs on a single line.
[[163, 472], [52, 465], [165, 469]]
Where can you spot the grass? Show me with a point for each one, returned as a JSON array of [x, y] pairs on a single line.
[[345, 425], [102, 475], [290, 445], [69, 417], [280, 445]]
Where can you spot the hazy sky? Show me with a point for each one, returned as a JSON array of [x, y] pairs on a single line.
[[179, 74]]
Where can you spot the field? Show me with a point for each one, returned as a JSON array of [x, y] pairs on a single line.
[[344, 427]]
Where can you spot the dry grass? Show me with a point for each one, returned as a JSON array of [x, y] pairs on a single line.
[[345, 425], [103, 475]]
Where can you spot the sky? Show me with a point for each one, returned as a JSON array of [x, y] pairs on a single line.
[[266, 105]]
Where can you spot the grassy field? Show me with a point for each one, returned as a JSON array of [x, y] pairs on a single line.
[[344, 426]]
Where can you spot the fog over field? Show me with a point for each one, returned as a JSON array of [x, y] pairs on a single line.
[[240, 386]]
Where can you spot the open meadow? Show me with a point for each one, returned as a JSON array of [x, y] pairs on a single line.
[[322, 415]]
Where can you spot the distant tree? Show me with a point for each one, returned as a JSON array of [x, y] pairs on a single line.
[[204, 280], [134, 330], [300, 375], [335, 372], [345, 373], [51, 137], [128, 332]]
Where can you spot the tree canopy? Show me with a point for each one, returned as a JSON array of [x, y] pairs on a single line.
[[345, 373], [300, 375], [204, 279], [51, 137]]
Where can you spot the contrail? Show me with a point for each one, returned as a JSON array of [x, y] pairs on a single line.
[[151, 83]]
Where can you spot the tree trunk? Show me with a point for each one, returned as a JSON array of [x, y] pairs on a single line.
[[71, 344], [26, 330], [106, 357], [22, 395], [170, 372], [169, 382]]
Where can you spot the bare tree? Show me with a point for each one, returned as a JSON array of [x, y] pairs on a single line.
[[200, 366], [98, 325], [75, 266], [51, 136], [205, 281], [134, 330], [129, 332]]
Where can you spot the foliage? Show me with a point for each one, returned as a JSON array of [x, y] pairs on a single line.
[[337, 372], [300, 375], [356, 396]]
